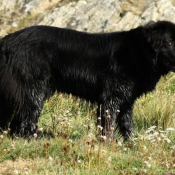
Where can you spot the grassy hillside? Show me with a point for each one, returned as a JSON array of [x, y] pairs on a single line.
[[68, 142]]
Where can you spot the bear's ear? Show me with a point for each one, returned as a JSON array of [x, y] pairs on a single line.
[[150, 24], [154, 34]]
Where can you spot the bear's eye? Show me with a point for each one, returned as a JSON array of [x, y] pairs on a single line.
[[170, 43]]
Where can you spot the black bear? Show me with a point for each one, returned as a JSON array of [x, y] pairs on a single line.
[[110, 69]]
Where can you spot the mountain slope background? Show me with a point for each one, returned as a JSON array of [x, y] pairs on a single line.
[[83, 15]]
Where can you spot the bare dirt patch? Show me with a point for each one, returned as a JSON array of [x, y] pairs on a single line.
[[16, 167]]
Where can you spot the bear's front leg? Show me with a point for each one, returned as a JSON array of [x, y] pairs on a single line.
[[125, 123]]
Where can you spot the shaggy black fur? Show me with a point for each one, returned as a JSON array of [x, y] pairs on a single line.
[[112, 69]]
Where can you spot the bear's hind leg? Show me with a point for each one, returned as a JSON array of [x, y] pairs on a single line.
[[25, 120], [5, 114]]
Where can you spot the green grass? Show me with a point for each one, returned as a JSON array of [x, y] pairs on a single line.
[[68, 141]]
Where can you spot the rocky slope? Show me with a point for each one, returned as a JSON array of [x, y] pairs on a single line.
[[83, 15]]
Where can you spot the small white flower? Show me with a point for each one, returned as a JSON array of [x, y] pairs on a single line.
[[158, 139], [40, 129], [12, 145], [79, 113], [91, 126], [119, 143], [35, 135], [147, 131], [144, 171], [1, 136], [149, 165], [167, 140], [155, 134], [146, 162], [99, 127], [85, 126], [141, 137], [90, 135], [5, 132], [150, 129], [70, 141], [112, 128], [16, 171], [170, 129], [162, 135], [149, 137], [50, 158], [135, 169], [79, 161], [62, 123], [173, 147], [103, 137], [149, 158], [134, 139], [26, 170], [109, 159], [68, 123], [152, 141], [144, 147]]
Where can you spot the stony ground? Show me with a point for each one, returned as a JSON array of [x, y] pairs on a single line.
[[83, 15]]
